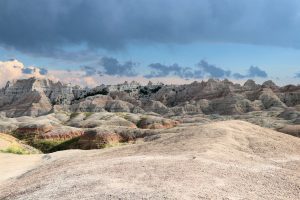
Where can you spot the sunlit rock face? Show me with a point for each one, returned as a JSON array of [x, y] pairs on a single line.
[[33, 96]]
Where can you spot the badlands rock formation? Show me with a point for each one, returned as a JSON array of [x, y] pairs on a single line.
[[54, 116], [219, 160], [35, 97]]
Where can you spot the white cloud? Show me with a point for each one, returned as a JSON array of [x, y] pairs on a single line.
[[10, 70], [13, 69]]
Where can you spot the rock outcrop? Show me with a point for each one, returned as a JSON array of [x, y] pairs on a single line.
[[34, 97]]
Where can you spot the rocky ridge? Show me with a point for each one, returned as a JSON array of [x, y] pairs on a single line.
[[36, 97]]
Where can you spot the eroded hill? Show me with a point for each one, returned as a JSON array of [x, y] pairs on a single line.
[[219, 160]]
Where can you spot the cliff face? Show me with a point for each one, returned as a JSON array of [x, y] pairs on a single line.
[[35, 97]]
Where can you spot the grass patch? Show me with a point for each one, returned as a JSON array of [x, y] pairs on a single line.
[[45, 146], [73, 115], [109, 145], [49, 146], [15, 150], [88, 114], [67, 144]]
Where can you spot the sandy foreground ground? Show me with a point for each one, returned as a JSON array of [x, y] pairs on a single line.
[[13, 165], [220, 160]]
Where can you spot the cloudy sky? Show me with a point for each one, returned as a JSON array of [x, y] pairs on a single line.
[[89, 42]]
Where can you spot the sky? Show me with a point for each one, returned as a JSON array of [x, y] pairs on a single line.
[[110, 41]]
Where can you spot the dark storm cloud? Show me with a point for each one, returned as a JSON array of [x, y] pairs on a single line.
[[113, 67], [43, 71], [89, 71], [110, 66], [27, 71], [160, 70], [203, 69], [212, 70], [252, 73], [239, 76], [45, 27], [256, 72]]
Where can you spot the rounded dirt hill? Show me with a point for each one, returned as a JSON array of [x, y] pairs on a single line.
[[219, 160]]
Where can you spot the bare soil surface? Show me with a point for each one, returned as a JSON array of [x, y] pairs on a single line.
[[219, 160], [13, 165]]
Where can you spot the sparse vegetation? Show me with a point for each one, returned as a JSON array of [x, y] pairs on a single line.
[[73, 115], [88, 114], [64, 145], [46, 146], [15, 150], [10, 144], [144, 91], [154, 90], [109, 145], [93, 93]]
